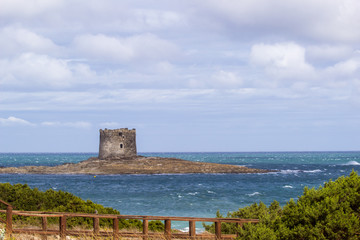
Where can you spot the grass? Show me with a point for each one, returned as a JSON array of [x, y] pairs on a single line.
[[135, 234]]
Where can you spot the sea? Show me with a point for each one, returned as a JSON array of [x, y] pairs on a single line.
[[190, 195]]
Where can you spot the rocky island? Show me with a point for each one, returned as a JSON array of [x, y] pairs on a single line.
[[118, 155], [133, 165]]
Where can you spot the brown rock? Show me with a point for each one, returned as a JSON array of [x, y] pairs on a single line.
[[133, 165]]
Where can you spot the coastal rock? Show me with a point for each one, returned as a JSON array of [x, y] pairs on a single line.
[[133, 165]]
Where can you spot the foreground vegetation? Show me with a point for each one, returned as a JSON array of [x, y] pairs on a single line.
[[22, 197], [330, 212]]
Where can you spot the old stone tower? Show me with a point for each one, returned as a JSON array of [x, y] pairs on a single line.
[[117, 143]]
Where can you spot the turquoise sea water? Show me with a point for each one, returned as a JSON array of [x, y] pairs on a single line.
[[193, 195]]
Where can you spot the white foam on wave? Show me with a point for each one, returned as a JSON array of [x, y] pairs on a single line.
[[288, 186], [289, 171], [253, 194], [293, 171], [313, 171], [352, 163], [193, 193]]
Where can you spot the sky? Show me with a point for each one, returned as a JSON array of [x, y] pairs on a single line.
[[189, 75]]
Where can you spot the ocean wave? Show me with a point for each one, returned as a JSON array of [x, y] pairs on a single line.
[[290, 171], [352, 163], [193, 193], [288, 186], [293, 171], [313, 171], [253, 194]]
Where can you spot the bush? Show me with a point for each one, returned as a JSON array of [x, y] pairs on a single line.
[[22, 197], [330, 212]]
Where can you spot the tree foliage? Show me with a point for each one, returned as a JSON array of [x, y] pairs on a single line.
[[22, 197], [330, 212]]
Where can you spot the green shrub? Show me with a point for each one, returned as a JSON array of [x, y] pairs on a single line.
[[330, 212], [156, 226], [22, 197]]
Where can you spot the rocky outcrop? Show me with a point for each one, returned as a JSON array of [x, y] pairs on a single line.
[[133, 165]]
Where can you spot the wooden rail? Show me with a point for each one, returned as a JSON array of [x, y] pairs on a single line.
[[168, 233]]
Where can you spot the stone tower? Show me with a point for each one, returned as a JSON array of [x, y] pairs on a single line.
[[117, 143]]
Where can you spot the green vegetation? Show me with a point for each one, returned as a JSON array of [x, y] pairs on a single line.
[[22, 197], [330, 212]]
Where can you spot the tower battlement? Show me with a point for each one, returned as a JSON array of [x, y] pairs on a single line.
[[117, 143]]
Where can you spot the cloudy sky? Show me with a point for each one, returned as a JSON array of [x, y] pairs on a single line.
[[189, 75]]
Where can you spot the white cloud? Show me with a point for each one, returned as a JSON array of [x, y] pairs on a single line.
[[227, 79], [283, 55], [144, 47], [285, 65], [328, 53], [14, 121], [101, 99], [347, 68], [339, 22], [21, 8], [343, 77], [15, 40], [319, 20], [282, 60], [31, 71], [219, 80], [142, 19], [79, 124]]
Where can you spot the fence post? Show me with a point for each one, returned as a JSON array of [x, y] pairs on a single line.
[[116, 229], [145, 228], [167, 229], [62, 227], [9, 228], [218, 230], [44, 227], [96, 226], [192, 229]]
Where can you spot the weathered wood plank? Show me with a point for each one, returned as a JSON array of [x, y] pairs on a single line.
[[44, 227], [192, 228], [62, 227], [116, 229], [145, 229], [167, 231], [96, 226], [217, 230], [9, 226]]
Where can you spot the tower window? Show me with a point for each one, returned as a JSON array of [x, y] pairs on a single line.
[[121, 145]]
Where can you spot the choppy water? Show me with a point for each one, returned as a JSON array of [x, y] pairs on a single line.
[[195, 195]]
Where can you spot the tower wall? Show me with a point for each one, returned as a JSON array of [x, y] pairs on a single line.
[[117, 143]]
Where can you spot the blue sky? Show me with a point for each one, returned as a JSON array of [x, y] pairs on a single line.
[[251, 75]]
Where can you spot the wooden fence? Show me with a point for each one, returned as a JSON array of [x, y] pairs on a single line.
[[115, 233]]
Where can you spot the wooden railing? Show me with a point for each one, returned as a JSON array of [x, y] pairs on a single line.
[[168, 233]]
